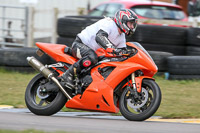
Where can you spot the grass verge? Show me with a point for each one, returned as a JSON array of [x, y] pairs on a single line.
[[180, 99]]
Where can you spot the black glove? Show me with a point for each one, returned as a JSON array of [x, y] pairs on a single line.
[[120, 51], [123, 51]]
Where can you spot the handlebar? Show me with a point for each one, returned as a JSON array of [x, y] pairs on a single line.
[[127, 52], [115, 53]]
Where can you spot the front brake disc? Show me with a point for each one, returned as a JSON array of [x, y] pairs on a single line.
[[143, 102]]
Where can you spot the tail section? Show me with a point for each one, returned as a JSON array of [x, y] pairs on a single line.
[[56, 51]]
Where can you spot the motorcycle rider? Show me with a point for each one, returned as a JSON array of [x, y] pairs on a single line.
[[107, 33]]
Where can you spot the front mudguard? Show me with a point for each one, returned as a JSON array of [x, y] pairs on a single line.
[[138, 82]]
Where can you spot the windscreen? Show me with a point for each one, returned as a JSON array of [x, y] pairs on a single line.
[[159, 12]]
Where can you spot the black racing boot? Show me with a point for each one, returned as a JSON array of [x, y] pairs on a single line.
[[68, 77]]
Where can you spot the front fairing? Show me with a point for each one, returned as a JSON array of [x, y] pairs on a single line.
[[138, 61], [143, 59]]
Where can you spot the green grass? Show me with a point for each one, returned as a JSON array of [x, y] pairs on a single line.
[[12, 87], [180, 99]]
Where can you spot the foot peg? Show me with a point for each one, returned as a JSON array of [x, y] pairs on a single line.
[[65, 83]]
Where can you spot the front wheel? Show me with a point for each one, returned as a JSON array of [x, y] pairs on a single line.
[[140, 109], [40, 102]]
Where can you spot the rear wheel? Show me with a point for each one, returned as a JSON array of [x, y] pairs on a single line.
[[143, 107], [41, 102]]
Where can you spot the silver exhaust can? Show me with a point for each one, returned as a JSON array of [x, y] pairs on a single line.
[[38, 66]]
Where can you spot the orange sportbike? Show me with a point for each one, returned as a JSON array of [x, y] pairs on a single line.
[[118, 82]]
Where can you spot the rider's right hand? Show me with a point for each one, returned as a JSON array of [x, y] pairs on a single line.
[[117, 51], [123, 51]]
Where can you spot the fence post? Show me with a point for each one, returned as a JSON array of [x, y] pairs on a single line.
[[3, 24], [54, 25], [30, 35]]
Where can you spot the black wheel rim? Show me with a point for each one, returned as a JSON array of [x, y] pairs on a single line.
[[141, 105], [36, 99]]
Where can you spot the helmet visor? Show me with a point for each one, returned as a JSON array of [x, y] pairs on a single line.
[[132, 25], [133, 22]]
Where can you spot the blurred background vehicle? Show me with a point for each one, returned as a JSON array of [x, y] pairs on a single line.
[[145, 9]]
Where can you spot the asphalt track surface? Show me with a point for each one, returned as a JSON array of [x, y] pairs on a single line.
[[92, 122]]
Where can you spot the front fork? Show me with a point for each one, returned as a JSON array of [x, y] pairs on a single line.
[[135, 91], [137, 82]]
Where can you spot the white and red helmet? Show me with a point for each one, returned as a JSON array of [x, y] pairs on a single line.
[[122, 17]]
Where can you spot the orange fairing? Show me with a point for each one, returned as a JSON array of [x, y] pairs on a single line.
[[140, 61], [143, 59], [99, 94], [138, 81], [56, 51]]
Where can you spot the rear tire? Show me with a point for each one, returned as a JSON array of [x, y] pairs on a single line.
[[145, 109], [45, 106]]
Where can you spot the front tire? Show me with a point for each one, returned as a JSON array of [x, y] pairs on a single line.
[[40, 103], [140, 110]]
